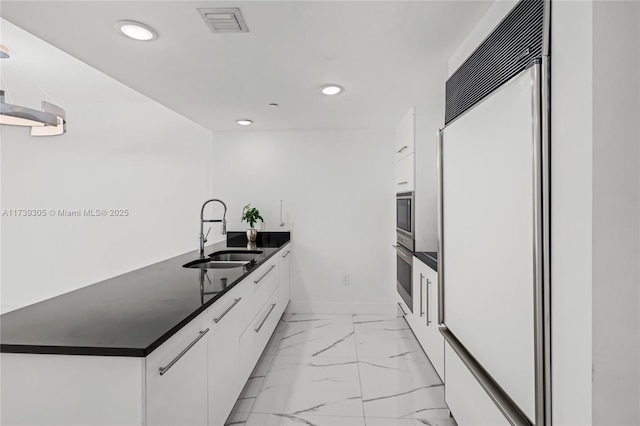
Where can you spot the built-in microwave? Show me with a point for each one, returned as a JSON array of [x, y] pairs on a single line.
[[405, 220]]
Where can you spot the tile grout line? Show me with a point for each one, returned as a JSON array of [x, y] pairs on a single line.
[[355, 339]]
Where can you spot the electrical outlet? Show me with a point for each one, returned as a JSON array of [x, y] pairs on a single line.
[[346, 279]]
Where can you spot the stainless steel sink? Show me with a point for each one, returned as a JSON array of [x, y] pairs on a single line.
[[225, 259], [207, 264], [235, 255]]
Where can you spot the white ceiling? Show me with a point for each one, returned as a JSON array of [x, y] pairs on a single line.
[[388, 55]]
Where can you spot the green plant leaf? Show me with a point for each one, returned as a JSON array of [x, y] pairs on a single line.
[[251, 215]]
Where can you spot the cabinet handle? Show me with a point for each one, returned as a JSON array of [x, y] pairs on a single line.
[[402, 309], [428, 301], [421, 309], [273, 305], [402, 149], [235, 302], [181, 354], [264, 275], [286, 254], [403, 183]]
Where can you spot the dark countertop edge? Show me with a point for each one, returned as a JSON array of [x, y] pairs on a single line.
[[71, 350], [427, 258], [131, 352]]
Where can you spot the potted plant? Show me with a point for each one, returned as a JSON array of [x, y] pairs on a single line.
[[251, 215]]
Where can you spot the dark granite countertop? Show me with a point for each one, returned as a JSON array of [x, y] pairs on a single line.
[[131, 314], [429, 258]]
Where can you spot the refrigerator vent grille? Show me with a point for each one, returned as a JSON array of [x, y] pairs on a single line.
[[512, 47]]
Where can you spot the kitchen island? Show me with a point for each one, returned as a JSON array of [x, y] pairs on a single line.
[[160, 345]]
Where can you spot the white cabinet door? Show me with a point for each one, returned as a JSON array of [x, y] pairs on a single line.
[[224, 352], [285, 269], [176, 375], [433, 339], [405, 180], [424, 321], [405, 135], [417, 320]]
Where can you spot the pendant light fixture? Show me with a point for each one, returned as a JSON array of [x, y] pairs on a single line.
[[49, 121]]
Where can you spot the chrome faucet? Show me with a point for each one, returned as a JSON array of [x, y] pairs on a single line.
[[203, 238]]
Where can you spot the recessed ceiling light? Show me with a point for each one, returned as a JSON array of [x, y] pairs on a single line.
[[244, 122], [331, 89], [136, 30]]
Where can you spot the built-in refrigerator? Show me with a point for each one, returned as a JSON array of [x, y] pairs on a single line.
[[494, 227]]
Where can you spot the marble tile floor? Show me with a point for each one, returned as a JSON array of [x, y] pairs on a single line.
[[342, 370]]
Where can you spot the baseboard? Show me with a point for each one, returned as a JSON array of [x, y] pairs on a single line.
[[300, 307]]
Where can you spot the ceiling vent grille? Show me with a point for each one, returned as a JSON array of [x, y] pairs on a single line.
[[224, 20]]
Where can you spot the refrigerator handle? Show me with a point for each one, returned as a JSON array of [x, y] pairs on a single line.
[[440, 230], [502, 400]]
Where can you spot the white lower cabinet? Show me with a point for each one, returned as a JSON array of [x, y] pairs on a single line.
[[255, 337], [424, 321], [226, 320], [176, 377], [261, 284], [192, 379], [468, 401], [285, 268]]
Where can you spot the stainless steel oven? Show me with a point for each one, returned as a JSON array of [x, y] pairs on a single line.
[[405, 219], [404, 260]]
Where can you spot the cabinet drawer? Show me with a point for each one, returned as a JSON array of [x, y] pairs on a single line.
[[260, 285], [176, 343], [468, 401], [176, 377], [233, 303], [405, 180], [255, 337]]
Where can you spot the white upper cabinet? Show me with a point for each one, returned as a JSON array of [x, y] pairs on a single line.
[[405, 135], [405, 174]]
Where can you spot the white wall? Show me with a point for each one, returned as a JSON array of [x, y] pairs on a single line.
[[338, 189], [616, 213], [571, 212], [494, 15], [121, 151]]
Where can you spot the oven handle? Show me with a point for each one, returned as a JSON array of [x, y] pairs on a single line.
[[405, 254]]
